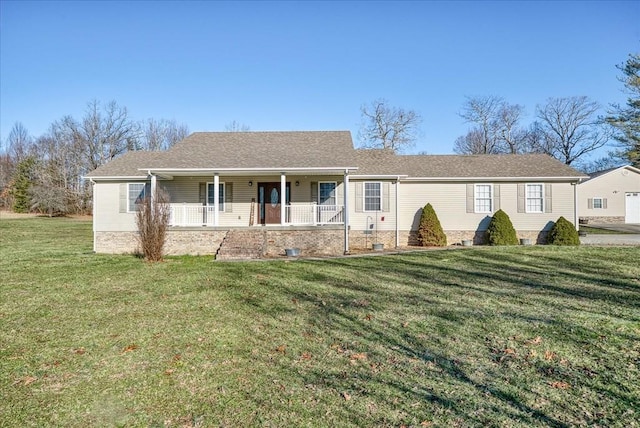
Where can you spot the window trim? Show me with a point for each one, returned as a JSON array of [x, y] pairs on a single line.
[[223, 195], [144, 189], [335, 192], [542, 198], [476, 198], [599, 198], [364, 196]]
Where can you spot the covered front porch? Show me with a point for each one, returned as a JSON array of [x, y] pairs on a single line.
[[248, 199]]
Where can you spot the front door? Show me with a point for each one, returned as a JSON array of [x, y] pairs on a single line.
[[269, 199]]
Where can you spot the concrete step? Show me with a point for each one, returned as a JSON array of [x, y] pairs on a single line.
[[241, 245]]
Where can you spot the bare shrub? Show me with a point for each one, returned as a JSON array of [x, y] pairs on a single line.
[[152, 220]]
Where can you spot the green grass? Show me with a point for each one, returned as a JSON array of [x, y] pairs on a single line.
[[518, 336]]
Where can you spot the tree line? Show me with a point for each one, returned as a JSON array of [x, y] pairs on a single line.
[[46, 174], [566, 128]]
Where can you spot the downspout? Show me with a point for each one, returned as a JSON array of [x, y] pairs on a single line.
[[93, 212], [345, 202], [397, 210]]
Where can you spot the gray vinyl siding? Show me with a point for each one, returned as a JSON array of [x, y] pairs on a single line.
[[358, 218], [450, 201]]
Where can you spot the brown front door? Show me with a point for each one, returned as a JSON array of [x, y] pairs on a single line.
[[269, 198]]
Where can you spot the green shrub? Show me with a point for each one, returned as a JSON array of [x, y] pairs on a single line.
[[430, 233], [501, 231], [563, 233]]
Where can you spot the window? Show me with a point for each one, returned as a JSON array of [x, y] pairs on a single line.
[[210, 195], [136, 192], [327, 191], [483, 198], [372, 196], [597, 203], [535, 198]]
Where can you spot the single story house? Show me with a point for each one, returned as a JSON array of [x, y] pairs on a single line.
[[255, 194], [610, 196]]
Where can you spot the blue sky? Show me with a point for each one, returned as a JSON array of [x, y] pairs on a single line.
[[306, 65]]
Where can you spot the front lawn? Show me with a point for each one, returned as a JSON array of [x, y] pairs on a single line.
[[519, 336]]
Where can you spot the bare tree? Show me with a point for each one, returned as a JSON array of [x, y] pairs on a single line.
[[571, 128], [161, 134], [19, 143], [510, 136], [385, 127], [152, 220], [235, 126], [103, 133], [496, 127], [471, 144], [482, 112]]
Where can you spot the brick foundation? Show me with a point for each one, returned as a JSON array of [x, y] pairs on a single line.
[[455, 237], [310, 241], [586, 220], [179, 242]]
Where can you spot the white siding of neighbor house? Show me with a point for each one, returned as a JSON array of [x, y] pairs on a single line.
[[611, 186], [449, 202]]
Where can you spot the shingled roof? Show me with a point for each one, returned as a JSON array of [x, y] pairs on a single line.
[[325, 150], [385, 162], [129, 164]]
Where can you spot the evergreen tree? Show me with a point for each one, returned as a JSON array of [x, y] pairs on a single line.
[[626, 120], [563, 233], [430, 233], [21, 185], [501, 231]]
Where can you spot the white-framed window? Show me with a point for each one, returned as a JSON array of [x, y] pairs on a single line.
[[534, 202], [483, 198], [598, 203], [136, 192], [211, 195], [372, 196], [327, 192]]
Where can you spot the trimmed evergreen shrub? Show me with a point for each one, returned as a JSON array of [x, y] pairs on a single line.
[[501, 231], [563, 232], [430, 233]]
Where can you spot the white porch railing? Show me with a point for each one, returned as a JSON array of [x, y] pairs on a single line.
[[314, 214], [194, 215], [187, 214]]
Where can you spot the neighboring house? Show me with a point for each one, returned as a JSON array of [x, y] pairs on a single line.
[[610, 196], [253, 194]]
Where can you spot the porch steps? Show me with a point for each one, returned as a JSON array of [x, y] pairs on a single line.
[[242, 244]]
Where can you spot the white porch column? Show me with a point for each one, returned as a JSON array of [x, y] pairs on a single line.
[[575, 206], [283, 197], [345, 202], [216, 198], [154, 189]]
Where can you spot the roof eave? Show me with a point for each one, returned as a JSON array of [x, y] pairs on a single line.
[[501, 179]]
